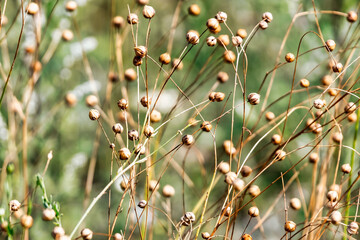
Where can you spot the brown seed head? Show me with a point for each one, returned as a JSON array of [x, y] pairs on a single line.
[[316, 128], [71, 6], [212, 96], [276, 139], [295, 203], [280, 155], [304, 83], [211, 41], [221, 17], [26, 221], [253, 212], [117, 128], [94, 114], [219, 96], [48, 214], [326, 80], [269, 116], [67, 35], [229, 56], [332, 92], [289, 57], [118, 236], [254, 98], [337, 137], [14, 205], [237, 41], [227, 211], [124, 153], [155, 116], [86, 234], [193, 37], [123, 104], [32, 8], [168, 191], [267, 16], [352, 16], [223, 40], [254, 190], [57, 232], [337, 67], [113, 77], [130, 74], [246, 237], [177, 64], [142, 204], [91, 101], [336, 188], [140, 51], [290, 226], [313, 157], [188, 140], [133, 135], [263, 25], [230, 177], [194, 10], [153, 185], [224, 167], [192, 122], [145, 102], [139, 149], [205, 235], [346, 168], [246, 171], [165, 58], [132, 18], [206, 126], [332, 196], [118, 22], [318, 103], [238, 184], [335, 217], [212, 24], [142, 2], [353, 228], [222, 77], [330, 45], [148, 12], [148, 131], [350, 107], [241, 33]]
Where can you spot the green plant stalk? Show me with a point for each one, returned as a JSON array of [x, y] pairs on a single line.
[[348, 196]]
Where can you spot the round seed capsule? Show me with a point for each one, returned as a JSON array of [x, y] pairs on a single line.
[[177, 64], [353, 228], [206, 126], [123, 104], [280, 155], [188, 140], [254, 190], [91, 101], [118, 22], [304, 83], [67, 35], [130, 74], [71, 6], [290, 226], [330, 45], [263, 25], [230, 177], [332, 196], [57, 232], [346, 168], [153, 185], [352, 16], [337, 137], [316, 128], [118, 236], [86, 234], [142, 2], [168, 191], [313, 157], [224, 167], [211, 41], [238, 184], [223, 40], [267, 16], [32, 8], [145, 102], [148, 131], [14, 205], [155, 116], [212, 24], [219, 96], [221, 17], [326, 80], [26, 221], [133, 135], [194, 10], [352, 117], [227, 211], [246, 237], [113, 77], [335, 217], [253, 212], [295, 203], [237, 41], [193, 37], [192, 122], [289, 57], [117, 128], [212, 96], [332, 92], [350, 107], [139, 149], [318, 103], [269, 116], [205, 235], [142, 204], [246, 171], [140, 51], [124, 153], [148, 12], [254, 98], [48, 214], [337, 67], [336, 188], [222, 77], [132, 18], [241, 33], [276, 139], [94, 114], [165, 58], [137, 61], [229, 56]]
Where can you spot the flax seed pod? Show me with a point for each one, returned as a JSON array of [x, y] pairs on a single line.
[[192, 122], [246, 237], [212, 96], [155, 116], [338, 67], [353, 228], [194, 10], [280, 155], [133, 135], [91, 101], [177, 64], [139, 149], [304, 83], [86, 234], [337, 137], [229, 56], [254, 98], [295, 203], [206, 126], [168, 191], [118, 236], [318, 103], [254, 190], [219, 96], [70, 99], [148, 131], [246, 171], [336, 188], [212, 24], [67, 35], [326, 80], [313, 157], [276, 139], [290, 226], [57, 232], [148, 12], [230, 178], [335, 217], [222, 77], [253, 212], [142, 204], [32, 8], [289, 57], [332, 196], [269, 116], [241, 33], [130, 74], [330, 45], [94, 114], [142, 2], [192, 37], [113, 77], [124, 153], [221, 17], [14, 205], [132, 18], [153, 185], [117, 128], [145, 102], [211, 41], [263, 25], [205, 235], [224, 167], [165, 58], [223, 40], [350, 107], [238, 184], [26, 221], [71, 6], [118, 22], [236, 41], [352, 16], [188, 140], [267, 16], [48, 214], [352, 117], [140, 51], [332, 92], [123, 104]]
